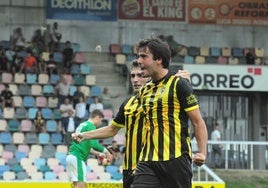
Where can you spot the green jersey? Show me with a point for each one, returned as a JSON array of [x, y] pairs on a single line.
[[81, 150]]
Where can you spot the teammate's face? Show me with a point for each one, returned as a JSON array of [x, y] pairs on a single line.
[[137, 79]]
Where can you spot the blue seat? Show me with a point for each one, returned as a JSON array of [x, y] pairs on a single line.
[[21, 113], [46, 113], [126, 49], [72, 90], [54, 78], [17, 168], [50, 176], [13, 125], [19, 155], [56, 138], [51, 126], [58, 57], [5, 138], [95, 91], [117, 176], [60, 156], [111, 169], [215, 51], [31, 138], [79, 79], [38, 162], [22, 175], [4, 168], [237, 52], [32, 112], [31, 78], [188, 59], [85, 69], [75, 47], [56, 114], [75, 69], [28, 101], [44, 138], [48, 90]]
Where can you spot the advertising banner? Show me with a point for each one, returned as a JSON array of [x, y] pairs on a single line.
[[155, 10], [95, 10], [238, 12], [228, 78]]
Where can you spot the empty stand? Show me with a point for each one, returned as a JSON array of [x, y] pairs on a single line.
[[18, 138], [79, 80], [237, 52], [200, 60], [21, 113], [36, 90], [17, 101], [95, 91], [85, 90], [46, 113], [193, 51], [49, 90], [13, 125], [75, 69], [8, 176], [7, 77], [204, 51], [13, 88], [31, 78], [188, 59], [56, 138], [226, 51], [26, 125], [53, 102], [43, 138], [3, 125], [24, 89], [31, 138], [90, 80], [85, 69], [51, 126], [54, 78], [215, 51], [41, 101], [19, 78], [43, 78], [28, 101]]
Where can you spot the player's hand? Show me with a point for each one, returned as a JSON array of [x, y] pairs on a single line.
[[184, 74], [199, 159], [77, 137], [109, 157]]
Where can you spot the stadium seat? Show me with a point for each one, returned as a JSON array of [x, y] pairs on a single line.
[[1, 152], [10, 147], [21, 113], [126, 49], [19, 155], [120, 59], [61, 149], [41, 101], [56, 114], [46, 113], [24, 148], [68, 78], [36, 90], [50, 176], [79, 79], [60, 156], [12, 162], [204, 51], [117, 176], [38, 162], [3, 124], [8, 113], [6, 155], [104, 176], [3, 169], [222, 60], [31, 78], [52, 162], [28, 101], [48, 90], [43, 78], [111, 169], [115, 48], [92, 162], [5, 138], [44, 138], [85, 90], [24, 89], [19, 78], [17, 101], [53, 102], [226, 52], [38, 176], [48, 151], [215, 51], [75, 69], [51, 126], [79, 57], [32, 112], [58, 169], [54, 78], [58, 57], [44, 168], [91, 176], [45, 56], [63, 176], [193, 51], [90, 80], [13, 125], [200, 60], [31, 138], [95, 91], [7, 77], [85, 69], [13, 88], [120, 139], [108, 114], [18, 138], [237, 52], [36, 148], [56, 138], [22, 176], [9, 176], [26, 162], [72, 90], [75, 47], [26, 125], [188, 59]]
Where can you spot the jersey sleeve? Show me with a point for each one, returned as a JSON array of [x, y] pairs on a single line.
[[119, 120], [186, 96]]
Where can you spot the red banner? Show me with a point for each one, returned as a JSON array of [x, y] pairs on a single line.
[[236, 12], [155, 10]]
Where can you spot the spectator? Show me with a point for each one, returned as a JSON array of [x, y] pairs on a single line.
[[30, 64], [69, 127], [80, 110], [68, 55], [3, 61], [56, 36], [35, 49], [16, 64], [48, 40], [77, 94], [18, 39], [10, 54], [106, 98], [52, 65], [62, 89], [38, 39], [96, 105], [216, 148], [39, 123], [250, 57], [115, 150], [6, 98]]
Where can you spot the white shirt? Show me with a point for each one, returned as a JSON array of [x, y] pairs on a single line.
[[98, 106], [215, 135], [65, 107], [71, 126], [80, 109]]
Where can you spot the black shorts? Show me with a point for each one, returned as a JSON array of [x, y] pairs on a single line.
[[175, 173], [127, 178]]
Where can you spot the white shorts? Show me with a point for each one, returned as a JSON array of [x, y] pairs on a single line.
[[76, 169]]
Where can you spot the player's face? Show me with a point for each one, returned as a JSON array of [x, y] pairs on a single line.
[[137, 79], [98, 120], [146, 62]]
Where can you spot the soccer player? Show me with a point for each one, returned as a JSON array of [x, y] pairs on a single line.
[[168, 102], [79, 152], [129, 116]]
